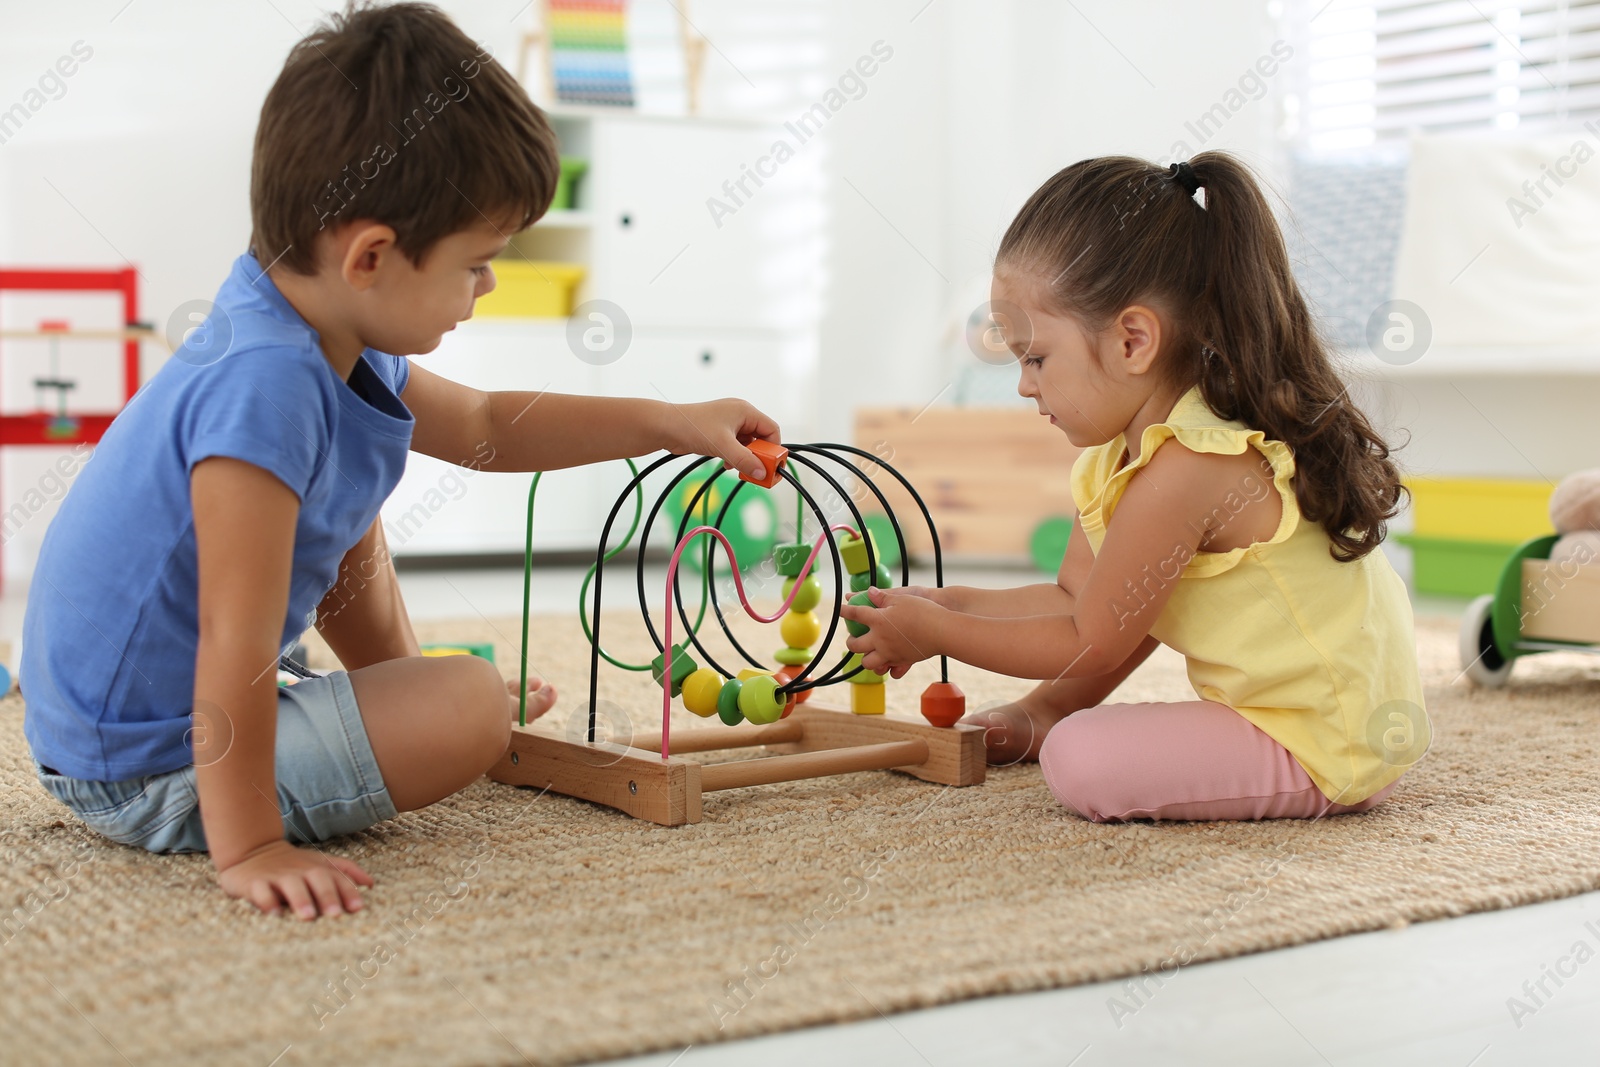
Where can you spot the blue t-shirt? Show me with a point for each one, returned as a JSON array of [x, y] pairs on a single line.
[[112, 621]]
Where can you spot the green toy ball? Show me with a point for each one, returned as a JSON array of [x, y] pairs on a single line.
[[884, 540], [1048, 545], [751, 525]]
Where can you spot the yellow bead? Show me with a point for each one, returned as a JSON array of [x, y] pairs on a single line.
[[867, 699], [800, 629], [750, 672], [700, 691]]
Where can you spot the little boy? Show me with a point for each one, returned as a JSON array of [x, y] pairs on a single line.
[[239, 491]]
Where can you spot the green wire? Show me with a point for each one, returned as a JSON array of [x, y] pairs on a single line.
[[583, 618]]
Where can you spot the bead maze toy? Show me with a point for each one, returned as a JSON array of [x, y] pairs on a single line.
[[645, 775]]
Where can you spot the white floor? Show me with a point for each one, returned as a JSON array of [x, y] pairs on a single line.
[[1436, 993]]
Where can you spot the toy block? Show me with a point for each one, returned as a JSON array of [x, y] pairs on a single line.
[[772, 457], [853, 552], [867, 699], [683, 665], [790, 558]]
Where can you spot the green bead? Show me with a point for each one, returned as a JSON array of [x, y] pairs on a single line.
[[791, 558], [809, 597], [853, 551], [760, 700], [860, 600], [792, 657], [728, 703], [858, 582], [682, 667], [861, 677]]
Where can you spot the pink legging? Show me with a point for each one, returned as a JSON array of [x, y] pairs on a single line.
[[1195, 760]]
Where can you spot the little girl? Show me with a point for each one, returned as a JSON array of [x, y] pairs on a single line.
[[1231, 501]]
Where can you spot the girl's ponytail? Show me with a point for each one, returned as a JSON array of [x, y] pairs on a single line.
[[1117, 231]]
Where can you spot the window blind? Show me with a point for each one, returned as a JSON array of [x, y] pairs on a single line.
[[1377, 70]]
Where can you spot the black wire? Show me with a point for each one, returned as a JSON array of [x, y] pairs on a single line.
[[599, 577], [938, 552]]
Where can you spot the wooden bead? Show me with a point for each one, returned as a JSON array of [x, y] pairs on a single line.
[[867, 699], [750, 672], [860, 600], [790, 558], [800, 629], [700, 691], [860, 677], [772, 457], [683, 665], [787, 675], [943, 704], [728, 702], [792, 657], [853, 553], [859, 582], [809, 597], [760, 700]]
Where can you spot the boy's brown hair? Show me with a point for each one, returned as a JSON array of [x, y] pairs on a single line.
[[393, 114]]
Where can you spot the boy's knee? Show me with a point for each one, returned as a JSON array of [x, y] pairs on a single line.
[[1076, 775], [482, 703]]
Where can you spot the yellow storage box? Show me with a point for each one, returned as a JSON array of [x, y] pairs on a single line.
[[526, 289], [1479, 509]]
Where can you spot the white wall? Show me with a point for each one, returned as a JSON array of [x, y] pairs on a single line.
[[986, 99]]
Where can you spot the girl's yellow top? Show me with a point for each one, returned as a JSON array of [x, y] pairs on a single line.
[[1318, 654]]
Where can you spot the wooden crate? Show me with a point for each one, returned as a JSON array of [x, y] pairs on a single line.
[[988, 475]]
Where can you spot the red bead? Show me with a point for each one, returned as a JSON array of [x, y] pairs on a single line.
[[943, 704]]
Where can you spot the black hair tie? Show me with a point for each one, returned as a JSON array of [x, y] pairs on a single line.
[[1184, 175]]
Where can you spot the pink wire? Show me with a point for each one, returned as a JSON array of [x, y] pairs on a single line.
[[738, 585]]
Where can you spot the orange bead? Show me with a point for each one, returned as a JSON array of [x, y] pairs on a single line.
[[771, 457], [786, 675], [943, 704]]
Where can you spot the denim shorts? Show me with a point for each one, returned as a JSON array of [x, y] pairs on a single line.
[[328, 780]]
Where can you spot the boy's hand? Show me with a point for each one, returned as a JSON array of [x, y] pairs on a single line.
[[541, 697], [903, 627], [721, 428], [308, 882]]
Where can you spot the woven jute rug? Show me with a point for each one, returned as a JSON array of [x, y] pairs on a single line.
[[509, 927]]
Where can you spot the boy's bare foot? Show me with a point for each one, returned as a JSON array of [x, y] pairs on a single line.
[[1014, 733], [541, 697]]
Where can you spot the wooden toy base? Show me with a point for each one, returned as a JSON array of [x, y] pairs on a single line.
[[813, 742]]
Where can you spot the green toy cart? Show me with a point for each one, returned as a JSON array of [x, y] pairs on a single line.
[[1537, 606]]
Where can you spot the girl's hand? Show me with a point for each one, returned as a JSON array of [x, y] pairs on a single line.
[[902, 630], [541, 697], [308, 882], [721, 428]]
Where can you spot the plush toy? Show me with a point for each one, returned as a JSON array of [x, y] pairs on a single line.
[[1575, 513]]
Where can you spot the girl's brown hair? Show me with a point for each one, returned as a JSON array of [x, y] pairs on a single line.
[[1116, 231]]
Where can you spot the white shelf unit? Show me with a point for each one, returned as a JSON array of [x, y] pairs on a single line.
[[716, 311]]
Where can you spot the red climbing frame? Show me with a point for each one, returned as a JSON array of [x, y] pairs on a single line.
[[43, 428]]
